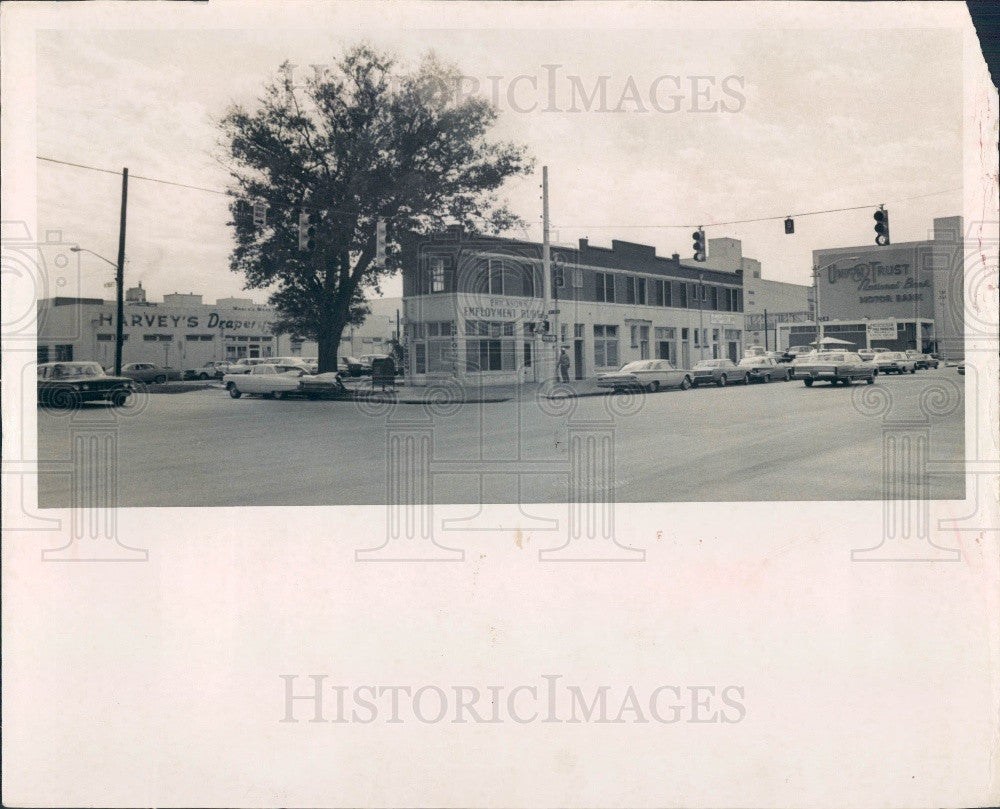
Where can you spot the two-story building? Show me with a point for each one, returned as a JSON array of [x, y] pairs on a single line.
[[471, 304]]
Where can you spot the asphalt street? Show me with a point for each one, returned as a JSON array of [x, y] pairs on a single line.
[[779, 441]]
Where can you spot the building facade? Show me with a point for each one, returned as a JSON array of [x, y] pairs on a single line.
[[471, 305], [898, 296], [767, 303], [182, 332]]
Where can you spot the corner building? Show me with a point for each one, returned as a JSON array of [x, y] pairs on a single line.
[[470, 303]]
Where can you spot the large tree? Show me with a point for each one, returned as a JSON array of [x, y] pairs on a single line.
[[353, 143]]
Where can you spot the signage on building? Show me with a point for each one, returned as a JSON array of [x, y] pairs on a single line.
[[213, 321], [489, 307], [882, 330], [877, 283], [726, 320]]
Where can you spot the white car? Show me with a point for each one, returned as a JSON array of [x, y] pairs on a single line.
[[894, 362], [244, 364], [266, 380], [647, 375]]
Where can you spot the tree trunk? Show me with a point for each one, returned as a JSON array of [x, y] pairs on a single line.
[[329, 342]]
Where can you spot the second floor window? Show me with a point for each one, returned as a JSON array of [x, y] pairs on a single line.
[[605, 287]]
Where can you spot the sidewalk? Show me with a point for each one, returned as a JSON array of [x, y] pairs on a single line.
[[453, 391]]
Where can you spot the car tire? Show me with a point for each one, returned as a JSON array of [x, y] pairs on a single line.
[[871, 380], [846, 382], [203, 376], [234, 391], [913, 370], [118, 398], [746, 379], [279, 394], [654, 386], [767, 378], [788, 375], [159, 379], [809, 382], [722, 381], [686, 383]]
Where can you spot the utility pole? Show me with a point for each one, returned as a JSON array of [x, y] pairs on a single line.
[[767, 345], [546, 272], [120, 278], [701, 314], [819, 328]]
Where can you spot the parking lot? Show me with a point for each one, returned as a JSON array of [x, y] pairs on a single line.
[[779, 441]]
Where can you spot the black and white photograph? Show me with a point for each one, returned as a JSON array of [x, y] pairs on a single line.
[[699, 299]]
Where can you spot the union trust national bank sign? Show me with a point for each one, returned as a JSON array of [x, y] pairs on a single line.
[[880, 283]]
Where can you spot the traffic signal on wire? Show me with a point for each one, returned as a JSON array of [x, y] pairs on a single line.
[[307, 231], [881, 227], [789, 225], [699, 244]]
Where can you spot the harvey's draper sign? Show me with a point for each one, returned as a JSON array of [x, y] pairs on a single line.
[[212, 321], [878, 284]]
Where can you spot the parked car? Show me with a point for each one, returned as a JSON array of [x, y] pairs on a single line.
[[835, 366], [210, 370], [288, 361], [266, 380], [764, 369], [755, 351], [149, 373], [795, 351], [66, 384], [323, 386], [923, 361], [894, 362], [244, 364], [349, 365], [719, 372], [647, 375]]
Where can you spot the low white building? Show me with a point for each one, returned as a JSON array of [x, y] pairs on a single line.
[[182, 332]]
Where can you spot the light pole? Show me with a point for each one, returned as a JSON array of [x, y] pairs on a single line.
[[701, 314], [119, 301]]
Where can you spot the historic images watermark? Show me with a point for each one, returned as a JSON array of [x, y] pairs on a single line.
[[549, 700], [580, 461], [50, 269], [555, 88]]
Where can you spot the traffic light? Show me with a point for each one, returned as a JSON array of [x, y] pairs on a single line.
[[789, 225], [699, 244], [881, 227], [380, 243], [307, 231], [558, 278], [259, 214]]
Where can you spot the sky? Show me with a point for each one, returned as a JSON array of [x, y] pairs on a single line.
[[756, 123]]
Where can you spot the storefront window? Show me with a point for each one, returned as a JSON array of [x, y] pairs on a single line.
[[606, 346]]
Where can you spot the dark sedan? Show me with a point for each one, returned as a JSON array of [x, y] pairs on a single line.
[[764, 369], [835, 366], [149, 373], [68, 384], [719, 372]]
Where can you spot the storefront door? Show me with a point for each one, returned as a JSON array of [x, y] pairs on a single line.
[[578, 359]]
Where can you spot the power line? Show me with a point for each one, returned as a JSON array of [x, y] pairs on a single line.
[[766, 218], [561, 225]]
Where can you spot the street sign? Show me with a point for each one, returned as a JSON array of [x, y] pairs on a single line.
[[549, 338], [882, 330]]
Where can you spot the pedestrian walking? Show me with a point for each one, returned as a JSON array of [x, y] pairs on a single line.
[[564, 366]]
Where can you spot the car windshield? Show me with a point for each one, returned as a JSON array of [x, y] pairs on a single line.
[[631, 367], [709, 364], [829, 356], [749, 362], [64, 370]]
